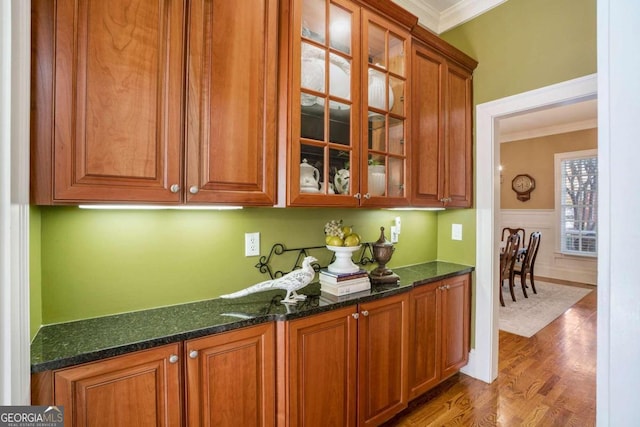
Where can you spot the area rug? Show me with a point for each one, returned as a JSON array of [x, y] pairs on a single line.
[[527, 316]]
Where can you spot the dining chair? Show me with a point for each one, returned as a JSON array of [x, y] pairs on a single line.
[[525, 266], [507, 231], [507, 262]]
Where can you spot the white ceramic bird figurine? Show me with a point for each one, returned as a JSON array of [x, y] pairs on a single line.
[[290, 282]]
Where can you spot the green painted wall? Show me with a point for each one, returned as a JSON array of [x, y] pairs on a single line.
[[527, 44], [520, 45], [96, 263]]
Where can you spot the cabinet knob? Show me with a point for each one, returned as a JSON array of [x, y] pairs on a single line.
[[174, 188], [194, 189], [357, 196], [193, 354], [365, 313], [367, 196], [173, 358], [355, 315]]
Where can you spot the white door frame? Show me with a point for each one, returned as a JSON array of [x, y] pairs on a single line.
[[15, 48], [483, 359]]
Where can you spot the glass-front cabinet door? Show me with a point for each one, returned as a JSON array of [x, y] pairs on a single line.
[[326, 111], [347, 106], [384, 122]]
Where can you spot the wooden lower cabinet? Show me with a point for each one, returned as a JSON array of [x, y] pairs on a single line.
[[439, 339], [346, 367], [353, 366], [137, 389], [231, 378]]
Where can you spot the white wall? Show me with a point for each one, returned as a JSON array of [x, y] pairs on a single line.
[[549, 262], [618, 371]]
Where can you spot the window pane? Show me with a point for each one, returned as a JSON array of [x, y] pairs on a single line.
[[578, 199]]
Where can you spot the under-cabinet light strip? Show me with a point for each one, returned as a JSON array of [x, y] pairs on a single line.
[[415, 209], [159, 207]]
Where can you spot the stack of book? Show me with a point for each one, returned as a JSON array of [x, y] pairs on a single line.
[[344, 283]]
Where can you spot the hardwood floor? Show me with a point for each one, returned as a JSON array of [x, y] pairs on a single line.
[[546, 380]]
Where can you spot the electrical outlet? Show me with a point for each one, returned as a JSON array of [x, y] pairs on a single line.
[[251, 244], [398, 225], [394, 234]]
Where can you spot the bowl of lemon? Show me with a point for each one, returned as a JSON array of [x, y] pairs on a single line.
[[343, 241]]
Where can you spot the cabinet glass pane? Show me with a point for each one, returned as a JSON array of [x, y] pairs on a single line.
[[395, 187], [396, 96], [313, 20], [378, 90], [396, 136], [339, 161], [340, 29], [376, 176], [339, 77], [339, 123], [396, 55], [377, 46], [312, 66], [311, 168], [312, 122], [377, 132]]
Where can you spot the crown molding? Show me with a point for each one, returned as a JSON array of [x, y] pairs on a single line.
[[427, 15], [439, 22], [549, 130], [464, 11]]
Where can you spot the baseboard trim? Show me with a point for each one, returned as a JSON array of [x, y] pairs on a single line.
[[564, 282]]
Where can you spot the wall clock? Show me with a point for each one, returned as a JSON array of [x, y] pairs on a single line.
[[523, 185]]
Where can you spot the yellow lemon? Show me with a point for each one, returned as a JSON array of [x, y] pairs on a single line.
[[335, 241], [346, 230], [327, 238], [352, 240]]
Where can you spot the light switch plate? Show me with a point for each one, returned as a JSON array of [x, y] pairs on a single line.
[[394, 234], [456, 231]]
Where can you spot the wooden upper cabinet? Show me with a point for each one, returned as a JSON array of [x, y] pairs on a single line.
[[347, 76], [231, 101], [107, 92], [118, 118], [141, 389], [442, 121]]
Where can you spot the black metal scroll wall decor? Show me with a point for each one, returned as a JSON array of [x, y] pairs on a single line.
[[277, 262]]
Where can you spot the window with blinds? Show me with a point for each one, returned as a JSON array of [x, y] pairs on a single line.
[[577, 201]]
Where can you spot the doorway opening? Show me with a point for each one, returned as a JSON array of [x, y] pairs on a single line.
[[483, 359]]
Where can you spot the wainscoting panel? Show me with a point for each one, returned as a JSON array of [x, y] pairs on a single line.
[[550, 262]]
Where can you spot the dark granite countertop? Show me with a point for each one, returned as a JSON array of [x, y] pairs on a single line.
[[67, 344]]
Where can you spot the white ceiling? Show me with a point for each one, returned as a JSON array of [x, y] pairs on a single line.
[[442, 15], [550, 121]]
